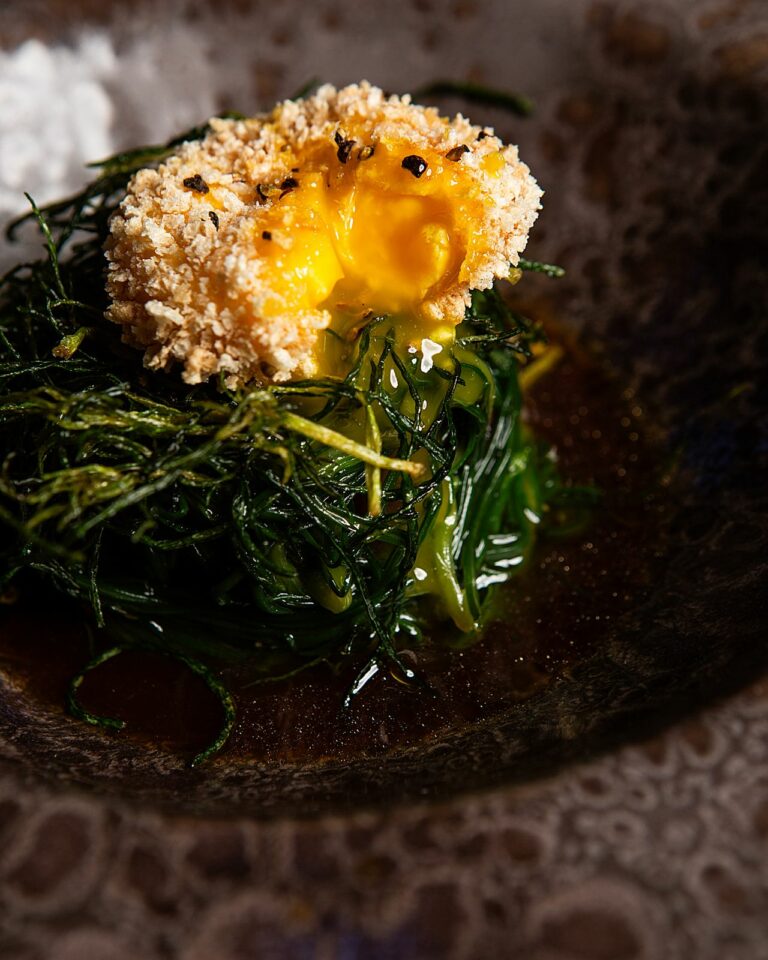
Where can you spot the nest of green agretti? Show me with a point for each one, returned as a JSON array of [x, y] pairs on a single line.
[[326, 520]]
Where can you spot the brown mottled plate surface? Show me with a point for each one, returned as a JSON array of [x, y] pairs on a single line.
[[622, 811]]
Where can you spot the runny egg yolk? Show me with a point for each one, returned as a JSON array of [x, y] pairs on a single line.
[[366, 234]]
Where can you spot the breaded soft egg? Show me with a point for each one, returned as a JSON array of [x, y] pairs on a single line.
[[237, 252]]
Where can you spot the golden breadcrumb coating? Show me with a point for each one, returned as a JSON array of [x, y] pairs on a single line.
[[237, 252]]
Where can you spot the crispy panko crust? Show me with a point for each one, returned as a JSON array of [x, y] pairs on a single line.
[[184, 278]]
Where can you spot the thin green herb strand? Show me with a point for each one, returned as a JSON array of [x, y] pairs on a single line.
[[478, 93], [195, 666], [536, 266], [73, 702]]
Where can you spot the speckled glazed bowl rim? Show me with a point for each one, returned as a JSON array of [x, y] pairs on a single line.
[[646, 142]]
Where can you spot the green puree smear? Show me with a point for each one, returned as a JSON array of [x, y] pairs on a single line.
[[332, 520]]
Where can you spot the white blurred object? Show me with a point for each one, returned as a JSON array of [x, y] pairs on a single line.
[[64, 106], [57, 116]]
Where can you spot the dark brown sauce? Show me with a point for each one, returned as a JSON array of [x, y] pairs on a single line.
[[556, 613]]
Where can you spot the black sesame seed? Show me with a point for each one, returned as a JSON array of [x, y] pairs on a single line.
[[290, 183], [344, 147], [456, 153], [196, 183], [482, 135], [266, 235], [214, 218], [415, 165], [365, 153]]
